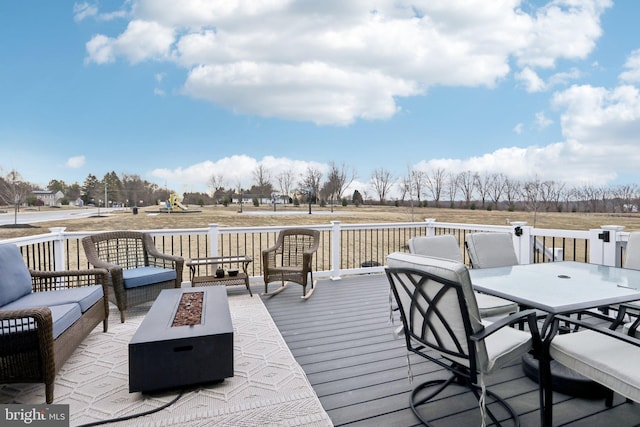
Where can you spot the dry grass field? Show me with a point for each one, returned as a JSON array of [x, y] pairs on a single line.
[[150, 219]]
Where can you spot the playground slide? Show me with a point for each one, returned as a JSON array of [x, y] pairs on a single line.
[[181, 206]]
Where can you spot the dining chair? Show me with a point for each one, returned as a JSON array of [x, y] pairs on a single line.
[[446, 246], [487, 250], [630, 310], [607, 357], [442, 324]]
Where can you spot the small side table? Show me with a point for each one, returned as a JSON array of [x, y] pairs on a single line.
[[209, 265]]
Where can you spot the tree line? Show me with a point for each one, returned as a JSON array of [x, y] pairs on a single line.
[[436, 188]]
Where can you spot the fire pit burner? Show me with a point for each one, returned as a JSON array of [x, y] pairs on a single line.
[[189, 312]]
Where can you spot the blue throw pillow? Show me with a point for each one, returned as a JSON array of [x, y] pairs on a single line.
[[15, 280]]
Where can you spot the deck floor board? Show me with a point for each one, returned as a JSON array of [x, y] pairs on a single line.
[[343, 339]]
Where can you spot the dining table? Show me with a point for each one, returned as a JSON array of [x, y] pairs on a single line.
[[553, 288]]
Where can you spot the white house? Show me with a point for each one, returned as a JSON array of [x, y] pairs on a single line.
[[49, 198]]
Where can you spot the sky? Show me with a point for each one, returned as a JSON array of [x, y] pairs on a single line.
[[179, 91]]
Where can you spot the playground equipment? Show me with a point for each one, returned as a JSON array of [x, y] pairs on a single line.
[[173, 204]]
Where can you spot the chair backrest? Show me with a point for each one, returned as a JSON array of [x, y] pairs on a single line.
[[438, 307], [491, 250], [443, 246], [632, 253], [293, 243], [127, 249]]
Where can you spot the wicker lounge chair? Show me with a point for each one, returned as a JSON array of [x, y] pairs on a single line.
[[137, 270], [290, 260], [44, 316]]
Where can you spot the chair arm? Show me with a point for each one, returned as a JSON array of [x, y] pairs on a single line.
[[44, 330], [529, 315], [599, 329]]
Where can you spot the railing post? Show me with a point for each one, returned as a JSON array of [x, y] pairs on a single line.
[[336, 250], [213, 240], [603, 247], [431, 226], [58, 247], [523, 241]]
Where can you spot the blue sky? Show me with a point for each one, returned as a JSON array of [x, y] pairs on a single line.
[[177, 91]]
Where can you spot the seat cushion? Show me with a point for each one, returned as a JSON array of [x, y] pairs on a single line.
[[506, 345], [85, 296], [142, 276], [15, 279], [604, 359], [63, 316]]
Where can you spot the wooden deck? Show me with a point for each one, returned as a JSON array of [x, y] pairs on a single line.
[[344, 341]]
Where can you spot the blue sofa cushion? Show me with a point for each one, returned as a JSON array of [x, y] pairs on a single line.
[[15, 280], [142, 276], [63, 317], [86, 296]]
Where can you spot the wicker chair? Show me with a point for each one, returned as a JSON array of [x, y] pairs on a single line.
[[137, 270], [29, 353], [290, 260]]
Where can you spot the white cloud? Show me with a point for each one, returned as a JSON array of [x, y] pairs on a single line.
[[75, 162], [532, 82], [139, 42], [542, 121], [334, 62], [236, 170], [600, 127], [519, 128], [632, 73], [81, 11]]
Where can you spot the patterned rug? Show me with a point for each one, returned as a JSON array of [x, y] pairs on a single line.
[[268, 386]]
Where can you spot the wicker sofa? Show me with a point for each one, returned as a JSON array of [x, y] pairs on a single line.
[[137, 270], [44, 316]]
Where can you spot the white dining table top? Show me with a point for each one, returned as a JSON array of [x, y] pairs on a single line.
[[559, 287]]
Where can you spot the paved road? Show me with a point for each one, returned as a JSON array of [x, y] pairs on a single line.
[[47, 214]]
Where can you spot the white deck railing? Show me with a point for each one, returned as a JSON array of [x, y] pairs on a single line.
[[344, 248]]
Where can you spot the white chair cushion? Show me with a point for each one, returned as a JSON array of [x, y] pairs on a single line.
[[506, 345], [604, 359], [491, 250]]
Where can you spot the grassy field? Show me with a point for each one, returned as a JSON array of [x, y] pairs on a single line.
[[150, 218]]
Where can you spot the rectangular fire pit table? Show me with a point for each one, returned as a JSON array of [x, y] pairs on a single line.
[[203, 271], [162, 356]]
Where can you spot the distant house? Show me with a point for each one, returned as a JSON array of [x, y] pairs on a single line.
[[49, 198]]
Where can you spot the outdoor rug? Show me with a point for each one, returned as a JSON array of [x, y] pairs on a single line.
[[268, 387]]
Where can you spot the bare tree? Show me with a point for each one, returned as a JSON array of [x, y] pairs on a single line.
[[310, 183], [435, 182], [337, 181], [262, 178], [531, 191], [285, 182], [215, 183], [496, 188], [452, 188], [550, 194], [418, 178], [482, 182], [512, 191], [406, 188], [381, 180], [14, 191], [466, 184]]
